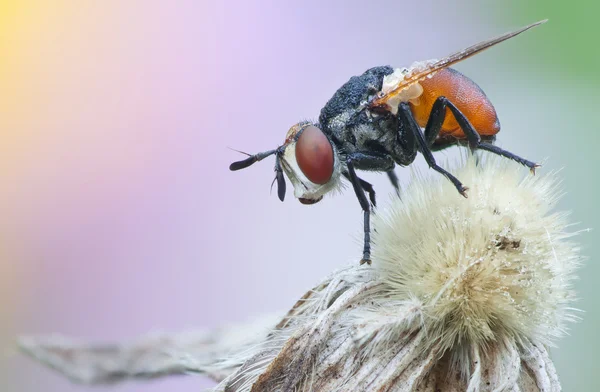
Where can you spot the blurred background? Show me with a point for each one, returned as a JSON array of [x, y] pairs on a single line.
[[119, 213]]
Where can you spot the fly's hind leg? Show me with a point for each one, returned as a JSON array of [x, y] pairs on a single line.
[[434, 126], [406, 117]]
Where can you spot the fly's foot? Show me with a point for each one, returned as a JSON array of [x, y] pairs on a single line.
[[533, 167], [365, 260]]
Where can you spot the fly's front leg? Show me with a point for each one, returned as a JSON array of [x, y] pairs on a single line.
[[434, 126], [406, 117], [373, 162], [367, 186], [364, 204], [366, 161]]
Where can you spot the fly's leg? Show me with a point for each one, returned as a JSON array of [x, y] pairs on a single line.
[[374, 162], [366, 161], [364, 204], [394, 180], [368, 187], [434, 126], [497, 150], [406, 117]]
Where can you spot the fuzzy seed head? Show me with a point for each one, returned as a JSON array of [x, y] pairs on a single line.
[[492, 267]]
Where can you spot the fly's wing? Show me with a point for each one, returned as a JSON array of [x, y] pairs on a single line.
[[425, 69]]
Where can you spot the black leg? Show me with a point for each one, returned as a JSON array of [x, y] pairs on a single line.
[[406, 117], [497, 150], [394, 180], [434, 126], [436, 119], [367, 187], [364, 204], [372, 161]]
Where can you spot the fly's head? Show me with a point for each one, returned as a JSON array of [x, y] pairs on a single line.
[[311, 162], [308, 158]]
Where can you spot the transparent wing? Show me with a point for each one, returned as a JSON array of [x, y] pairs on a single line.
[[434, 66]]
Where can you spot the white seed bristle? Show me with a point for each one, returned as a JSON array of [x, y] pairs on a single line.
[[492, 267]]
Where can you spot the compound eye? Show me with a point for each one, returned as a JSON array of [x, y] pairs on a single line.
[[314, 155]]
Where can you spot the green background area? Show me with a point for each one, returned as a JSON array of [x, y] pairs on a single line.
[[569, 43], [563, 59]]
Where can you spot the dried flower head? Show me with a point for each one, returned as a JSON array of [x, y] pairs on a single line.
[[495, 268], [462, 295]]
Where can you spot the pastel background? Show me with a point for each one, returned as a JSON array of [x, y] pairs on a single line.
[[119, 215]]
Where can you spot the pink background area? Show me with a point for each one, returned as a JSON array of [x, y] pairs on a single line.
[[119, 213]]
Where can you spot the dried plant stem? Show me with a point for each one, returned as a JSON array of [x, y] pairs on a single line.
[[323, 352], [151, 356]]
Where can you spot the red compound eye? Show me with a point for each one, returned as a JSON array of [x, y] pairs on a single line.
[[314, 155]]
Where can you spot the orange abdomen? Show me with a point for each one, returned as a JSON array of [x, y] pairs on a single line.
[[462, 92]]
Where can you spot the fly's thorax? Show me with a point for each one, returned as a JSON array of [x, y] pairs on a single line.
[[300, 153], [347, 105]]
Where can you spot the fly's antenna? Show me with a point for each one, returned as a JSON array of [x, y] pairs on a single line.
[[281, 186], [251, 159]]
